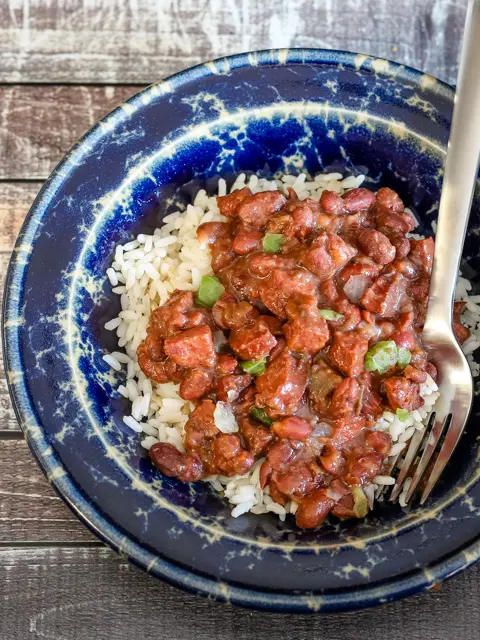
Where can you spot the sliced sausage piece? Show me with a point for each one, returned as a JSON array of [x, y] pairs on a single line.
[[348, 351], [376, 246], [200, 427], [258, 438], [230, 387], [237, 278], [173, 315], [226, 364], [402, 393], [370, 400], [192, 348], [366, 467], [283, 384], [326, 255], [262, 264], [282, 284], [228, 205], [385, 295], [252, 342], [380, 441], [196, 384], [255, 210], [306, 330], [345, 398], [345, 429], [421, 253], [420, 287]]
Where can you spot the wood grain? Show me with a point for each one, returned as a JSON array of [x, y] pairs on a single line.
[[16, 198], [139, 41], [80, 594], [15, 201], [30, 511], [40, 123]]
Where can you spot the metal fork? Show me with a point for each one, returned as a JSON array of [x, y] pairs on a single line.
[[452, 408]]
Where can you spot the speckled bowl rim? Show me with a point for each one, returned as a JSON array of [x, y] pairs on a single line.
[[50, 463]]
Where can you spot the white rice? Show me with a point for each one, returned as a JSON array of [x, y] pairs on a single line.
[[151, 267]]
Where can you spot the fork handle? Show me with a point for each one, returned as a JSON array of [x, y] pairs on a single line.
[[461, 170]]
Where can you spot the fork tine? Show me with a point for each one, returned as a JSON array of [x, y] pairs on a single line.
[[433, 438], [413, 448], [452, 437]]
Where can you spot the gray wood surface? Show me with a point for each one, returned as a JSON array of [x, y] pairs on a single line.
[[56, 579], [88, 594], [140, 41], [40, 123]]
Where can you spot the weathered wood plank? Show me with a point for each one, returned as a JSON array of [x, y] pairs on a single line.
[[40, 123], [61, 594], [30, 511], [16, 199], [141, 41]]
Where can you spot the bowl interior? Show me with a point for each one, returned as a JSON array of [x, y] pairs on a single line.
[[143, 162]]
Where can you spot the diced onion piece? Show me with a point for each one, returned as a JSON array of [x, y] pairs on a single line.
[[355, 287], [261, 415], [254, 367], [273, 242], [404, 357], [330, 314], [360, 502], [331, 494], [209, 291], [381, 356], [224, 418]]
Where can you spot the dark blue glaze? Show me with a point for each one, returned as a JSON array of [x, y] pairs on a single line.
[[264, 112]]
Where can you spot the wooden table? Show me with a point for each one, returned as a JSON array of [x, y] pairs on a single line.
[[62, 66]]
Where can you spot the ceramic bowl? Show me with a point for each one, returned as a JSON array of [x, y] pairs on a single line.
[[265, 112]]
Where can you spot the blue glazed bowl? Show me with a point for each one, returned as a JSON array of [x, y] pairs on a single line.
[[264, 112]]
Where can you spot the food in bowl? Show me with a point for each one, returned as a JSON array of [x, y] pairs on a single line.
[[273, 342]]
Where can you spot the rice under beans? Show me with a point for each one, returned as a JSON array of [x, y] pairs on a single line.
[[146, 270]]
